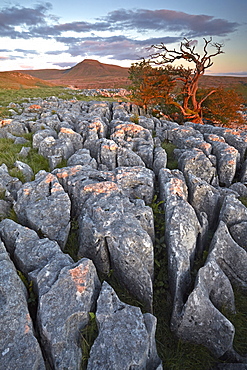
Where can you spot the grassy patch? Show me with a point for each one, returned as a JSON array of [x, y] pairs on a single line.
[[239, 320], [72, 244], [9, 153], [243, 200], [88, 336], [172, 163]]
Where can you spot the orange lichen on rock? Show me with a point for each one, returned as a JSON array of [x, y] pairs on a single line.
[[216, 138], [110, 147], [78, 275], [49, 178], [5, 122], [34, 107], [176, 187], [105, 187], [68, 172], [26, 191], [56, 187], [66, 130], [28, 324]]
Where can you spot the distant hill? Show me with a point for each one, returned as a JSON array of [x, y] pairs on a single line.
[[17, 80], [87, 74]]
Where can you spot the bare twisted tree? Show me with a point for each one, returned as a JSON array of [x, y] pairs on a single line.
[[191, 107]]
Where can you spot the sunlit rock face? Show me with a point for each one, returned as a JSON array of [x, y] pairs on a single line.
[[116, 164]]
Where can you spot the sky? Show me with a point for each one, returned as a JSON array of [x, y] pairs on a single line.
[[59, 34]]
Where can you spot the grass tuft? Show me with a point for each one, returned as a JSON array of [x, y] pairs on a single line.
[[172, 163]]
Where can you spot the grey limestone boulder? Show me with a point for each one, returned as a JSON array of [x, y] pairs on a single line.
[[178, 134], [74, 137], [229, 256], [194, 161], [239, 233], [204, 198], [8, 184], [136, 138], [136, 182], [50, 146], [19, 348], [160, 159], [4, 209], [44, 206], [25, 169], [243, 173], [227, 162], [232, 211], [126, 337], [63, 312], [112, 236], [240, 188], [181, 235], [201, 321], [15, 128], [110, 156], [24, 151], [172, 185], [40, 135], [83, 158]]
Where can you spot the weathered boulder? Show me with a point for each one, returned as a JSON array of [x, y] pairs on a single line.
[[240, 188], [110, 156], [82, 157], [204, 198], [160, 159], [131, 334], [229, 256], [195, 142], [14, 127], [114, 239], [181, 235], [178, 134], [74, 137], [172, 185], [52, 147], [44, 206], [232, 211], [24, 151], [136, 182], [8, 184], [136, 138], [19, 348], [194, 161], [201, 320], [75, 291], [239, 233], [4, 209], [40, 135], [243, 173], [25, 169], [227, 161]]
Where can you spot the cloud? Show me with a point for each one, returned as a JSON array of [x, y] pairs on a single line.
[[25, 17], [115, 47], [36, 22], [64, 64], [170, 21], [24, 51]]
